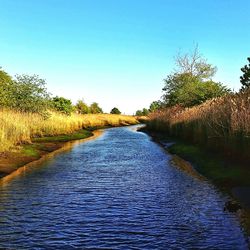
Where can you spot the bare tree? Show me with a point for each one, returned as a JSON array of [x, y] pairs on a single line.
[[194, 64]]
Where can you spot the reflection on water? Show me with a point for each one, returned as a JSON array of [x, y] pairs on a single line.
[[116, 192]]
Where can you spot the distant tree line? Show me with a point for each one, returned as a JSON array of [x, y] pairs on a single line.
[[27, 93], [155, 105]]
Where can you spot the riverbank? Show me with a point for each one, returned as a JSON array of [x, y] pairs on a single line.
[[19, 156], [228, 176], [122, 177], [53, 148], [37, 146], [17, 128]]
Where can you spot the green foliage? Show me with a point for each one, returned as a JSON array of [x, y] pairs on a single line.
[[115, 111], [5, 82], [155, 105], [30, 94], [25, 93], [82, 108], [95, 109], [4, 77], [187, 90], [138, 113], [143, 112], [80, 134], [245, 78], [191, 85], [62, 105]]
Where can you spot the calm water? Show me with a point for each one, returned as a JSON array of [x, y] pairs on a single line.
[[119, 191]]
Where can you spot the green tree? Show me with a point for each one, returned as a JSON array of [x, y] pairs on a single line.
[[95, 109], [29, 94], [5, 83], [115, 111], [245, 78], [138, 113], [82, 107], [192, 83], [143, 112], [5, 78], [155, 105], [62, 105]]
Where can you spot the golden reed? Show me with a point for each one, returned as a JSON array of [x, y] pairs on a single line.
[[220, 124], [17, 128]]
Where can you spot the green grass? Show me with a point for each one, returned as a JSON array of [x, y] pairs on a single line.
[[212, 166], [81, 134], [30, 150]]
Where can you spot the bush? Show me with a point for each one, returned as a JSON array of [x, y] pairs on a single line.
[[81, 107], [5, 82], [95, 109], [143, 112], [115, 111], [62, 105]]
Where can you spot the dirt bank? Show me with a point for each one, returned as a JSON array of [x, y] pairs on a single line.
[[25, 156]]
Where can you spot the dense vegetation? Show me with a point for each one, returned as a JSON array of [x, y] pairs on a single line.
[[19, 127], [245, 78], [29, 94], [202, 112], [191, 84], [115, 111], [24, 93], [222, 124], [143, 112], [28, 111]]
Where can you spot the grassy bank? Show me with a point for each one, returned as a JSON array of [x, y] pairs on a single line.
[[219, 125], [20, 155], [215, 138], [231, 177], [27, 137], [20, 128]]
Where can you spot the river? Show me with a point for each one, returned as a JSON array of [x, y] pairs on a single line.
[[119, 191]]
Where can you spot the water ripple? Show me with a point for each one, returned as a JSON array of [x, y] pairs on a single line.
[[119, 191]]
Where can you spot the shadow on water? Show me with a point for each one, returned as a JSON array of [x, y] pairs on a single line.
[[119, 191]]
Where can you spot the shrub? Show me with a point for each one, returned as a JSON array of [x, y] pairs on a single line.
[[115, 111], [81, 107], [62, 105], [95, 109]]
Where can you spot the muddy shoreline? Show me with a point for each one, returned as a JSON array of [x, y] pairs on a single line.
[[16, 162]]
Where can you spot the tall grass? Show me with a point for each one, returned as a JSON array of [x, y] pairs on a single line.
[[17, 128], [221, 124]]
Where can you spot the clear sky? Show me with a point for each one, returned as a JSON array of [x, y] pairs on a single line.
[[117, 52]]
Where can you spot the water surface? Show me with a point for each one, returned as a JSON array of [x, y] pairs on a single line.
[[119, 191]]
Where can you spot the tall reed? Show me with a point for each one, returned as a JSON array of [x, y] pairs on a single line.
[[17, 128], [221, 124]]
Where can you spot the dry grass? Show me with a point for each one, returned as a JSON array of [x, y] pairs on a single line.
[[221, 124], [17, 128]]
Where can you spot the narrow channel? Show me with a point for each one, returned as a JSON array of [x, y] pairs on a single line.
[[119, 191]]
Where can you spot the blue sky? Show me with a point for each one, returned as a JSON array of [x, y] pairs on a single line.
[[117, 52]]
